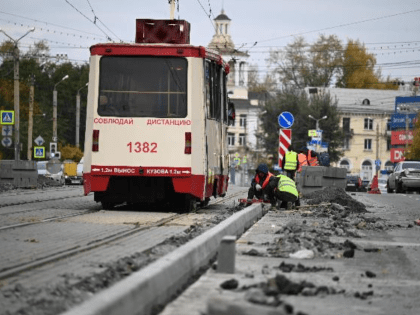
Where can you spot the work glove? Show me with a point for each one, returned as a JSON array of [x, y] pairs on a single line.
[[258, 187]]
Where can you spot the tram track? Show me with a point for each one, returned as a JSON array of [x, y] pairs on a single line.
[[19, 268]]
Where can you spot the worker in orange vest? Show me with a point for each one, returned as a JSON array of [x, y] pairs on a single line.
[[259, 182], [302, 158], [312, 158]]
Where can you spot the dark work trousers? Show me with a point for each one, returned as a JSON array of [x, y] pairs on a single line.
[[253, 192], [290, 174], [285, 197]]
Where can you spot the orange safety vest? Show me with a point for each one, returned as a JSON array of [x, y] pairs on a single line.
[[312, 160], [303, 161], [257, 180]]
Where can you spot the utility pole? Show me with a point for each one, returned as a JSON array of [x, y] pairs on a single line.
[[377, 149], [16, 90], [54, 137], [30, 119]]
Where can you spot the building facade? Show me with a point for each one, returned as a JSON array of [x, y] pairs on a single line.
[[365, 117], [242, 139]]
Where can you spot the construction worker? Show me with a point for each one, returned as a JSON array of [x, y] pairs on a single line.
[[284, 190], [259, 182], [312, 158], [290, 163], [302, 158]]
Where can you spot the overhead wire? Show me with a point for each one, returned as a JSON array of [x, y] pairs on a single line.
[[94, 22]]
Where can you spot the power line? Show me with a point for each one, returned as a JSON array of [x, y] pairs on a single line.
[[94, 23], [341, 25], [48, 23], [97, 18]]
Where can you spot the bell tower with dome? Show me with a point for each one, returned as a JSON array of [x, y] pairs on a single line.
[[237, 60]]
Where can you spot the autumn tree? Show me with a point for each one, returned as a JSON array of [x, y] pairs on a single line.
[[414, 149], [301, 65], [358, 69]]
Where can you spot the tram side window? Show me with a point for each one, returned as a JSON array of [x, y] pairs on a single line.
[[224, 99], [143, 87], [214, 81]]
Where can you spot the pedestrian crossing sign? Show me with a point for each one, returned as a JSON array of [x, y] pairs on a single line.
[[39, 152], [7, 117]]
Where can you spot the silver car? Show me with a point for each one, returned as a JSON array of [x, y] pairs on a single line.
[[406, 176]]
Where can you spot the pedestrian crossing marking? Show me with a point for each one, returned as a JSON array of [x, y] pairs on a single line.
[[39, 152], [7, 117]]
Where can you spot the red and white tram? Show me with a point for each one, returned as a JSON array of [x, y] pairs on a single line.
[[157, 119]]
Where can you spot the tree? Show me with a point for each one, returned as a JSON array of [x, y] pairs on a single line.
[[70, 152], [301, 65], [298, 103], [46, 74], [414, 149], [358, 69]]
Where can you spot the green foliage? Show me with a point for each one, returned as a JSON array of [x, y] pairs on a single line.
[[298, 103], [414, 149], [46, 75]]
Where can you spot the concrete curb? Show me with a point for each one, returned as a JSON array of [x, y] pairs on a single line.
[[159, 282]]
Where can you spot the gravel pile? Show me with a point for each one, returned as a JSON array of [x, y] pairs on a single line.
[[335, 195]]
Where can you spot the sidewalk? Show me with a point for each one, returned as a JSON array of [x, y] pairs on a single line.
[[344, 277]]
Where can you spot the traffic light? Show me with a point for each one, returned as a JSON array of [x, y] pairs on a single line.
[[53, 149]]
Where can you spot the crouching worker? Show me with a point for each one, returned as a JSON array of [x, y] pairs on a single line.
[[284, 190], [259, 183]]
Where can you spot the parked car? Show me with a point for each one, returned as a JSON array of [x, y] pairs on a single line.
[[405, 177], [71, 174], [353, 183]]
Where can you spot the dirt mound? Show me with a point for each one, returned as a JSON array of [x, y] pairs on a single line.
[[335, 195]]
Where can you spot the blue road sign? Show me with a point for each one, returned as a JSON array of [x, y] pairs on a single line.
[[39, 152], [398, 120], [7, 141], [7, 117], [7, 130], [378, 162], [286, 120]]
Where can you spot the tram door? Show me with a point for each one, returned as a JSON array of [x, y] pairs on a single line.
[[214, 122]]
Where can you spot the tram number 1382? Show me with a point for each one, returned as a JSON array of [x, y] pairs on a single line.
[[142, 147]]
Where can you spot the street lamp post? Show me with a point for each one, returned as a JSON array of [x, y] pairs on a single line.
[[78, 114], [54, 138], [317, 125], [16, 89]]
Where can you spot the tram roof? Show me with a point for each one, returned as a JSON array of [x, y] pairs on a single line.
[[177, 50]]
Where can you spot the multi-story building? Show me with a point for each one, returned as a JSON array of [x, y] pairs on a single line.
[[365, 120], [242, 133]]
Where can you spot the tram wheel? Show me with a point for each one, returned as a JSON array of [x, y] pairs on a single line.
[[205, 202]]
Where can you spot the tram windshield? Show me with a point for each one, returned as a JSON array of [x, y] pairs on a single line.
[[143, 87]]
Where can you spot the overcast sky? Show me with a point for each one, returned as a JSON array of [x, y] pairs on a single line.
[[388, 28]]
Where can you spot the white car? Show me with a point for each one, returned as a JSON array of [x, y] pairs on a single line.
[[406, 176]]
